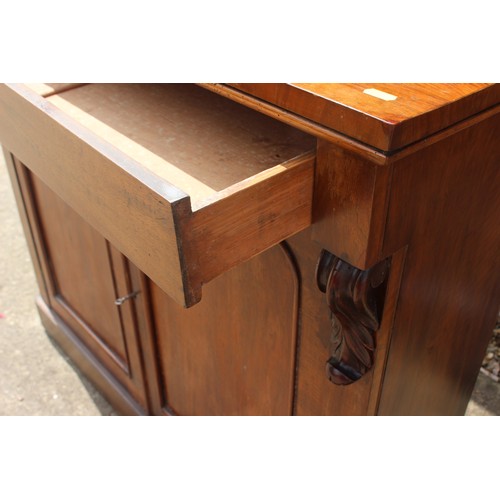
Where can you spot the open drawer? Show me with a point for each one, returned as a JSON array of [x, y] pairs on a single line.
[[182, 181]]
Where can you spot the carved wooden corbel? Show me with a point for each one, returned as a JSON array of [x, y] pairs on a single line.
[[355, 299]]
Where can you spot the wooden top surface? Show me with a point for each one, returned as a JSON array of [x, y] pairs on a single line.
[[386, 116]]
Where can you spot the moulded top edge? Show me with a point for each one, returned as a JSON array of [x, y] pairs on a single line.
[[386, 116]]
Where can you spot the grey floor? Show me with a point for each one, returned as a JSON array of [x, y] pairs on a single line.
[[35, 377]]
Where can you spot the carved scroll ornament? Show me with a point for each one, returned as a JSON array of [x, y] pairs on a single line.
[[355, 299]]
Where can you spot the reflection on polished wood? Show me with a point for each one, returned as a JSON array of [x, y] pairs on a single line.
[[207, 207]]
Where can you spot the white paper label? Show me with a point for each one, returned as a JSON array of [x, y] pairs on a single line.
[[380, 94]]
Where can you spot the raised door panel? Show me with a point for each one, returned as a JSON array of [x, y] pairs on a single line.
[[234, 352], [85, 275]]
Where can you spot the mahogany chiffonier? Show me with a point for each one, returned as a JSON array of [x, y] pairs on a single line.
[[263, 249]]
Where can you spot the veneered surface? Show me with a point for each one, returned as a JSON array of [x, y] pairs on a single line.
[[420, 109], [234, 352]]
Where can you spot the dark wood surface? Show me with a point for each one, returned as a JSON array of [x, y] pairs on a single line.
[[315, 394], [258, 341], [91, 366], [260, 213], [350, 204], [356, 302], [445, 207], [420, 109], [96, 180], [234, 352], [113, 175], [21, 185], [84, 275]]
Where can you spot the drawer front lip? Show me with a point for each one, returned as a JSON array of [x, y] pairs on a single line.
[[146, 218]]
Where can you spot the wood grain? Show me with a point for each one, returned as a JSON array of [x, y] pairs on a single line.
[[298, 121], [251, 217], [234, 352], [48, 89], [99, 182], [194, 139], [86, 275], [20, 182], [258, 341], [420, 109], [117, 395], [315, 394], [445, 206], [82, 277], [114, 174], [355, 300], [350, 205]]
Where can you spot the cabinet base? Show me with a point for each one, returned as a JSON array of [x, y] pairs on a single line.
[[90, 366]]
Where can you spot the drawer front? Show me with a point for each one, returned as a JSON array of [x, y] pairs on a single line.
[[179, 244]]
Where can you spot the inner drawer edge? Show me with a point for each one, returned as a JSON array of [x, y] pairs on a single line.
[[196, 140]]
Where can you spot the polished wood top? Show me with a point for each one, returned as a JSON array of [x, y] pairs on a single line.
[[387, 116]]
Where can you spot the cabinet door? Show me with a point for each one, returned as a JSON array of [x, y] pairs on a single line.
[[234, 352], [84, 275]]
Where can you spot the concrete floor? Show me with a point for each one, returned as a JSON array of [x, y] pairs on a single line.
[[36, 378]]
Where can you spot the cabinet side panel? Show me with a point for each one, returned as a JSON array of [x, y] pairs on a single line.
[[445, 205], [234, 352]]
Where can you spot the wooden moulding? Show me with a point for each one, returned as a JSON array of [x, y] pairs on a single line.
[[355, 299], [386, 116], [184, 208]]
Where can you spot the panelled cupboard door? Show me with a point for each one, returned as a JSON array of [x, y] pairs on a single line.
[[234, 352], [85, 275]]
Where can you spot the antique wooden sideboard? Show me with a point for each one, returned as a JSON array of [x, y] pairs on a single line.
[[263, 249]]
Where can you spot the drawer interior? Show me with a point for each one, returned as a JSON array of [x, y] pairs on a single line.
[[196, 140], [185, 183]]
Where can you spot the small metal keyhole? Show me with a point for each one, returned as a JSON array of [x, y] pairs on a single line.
[[123, 299]]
